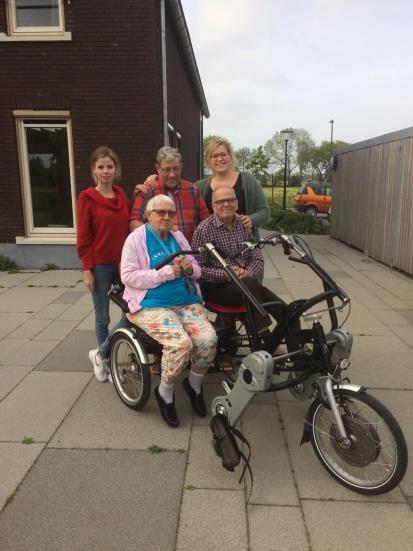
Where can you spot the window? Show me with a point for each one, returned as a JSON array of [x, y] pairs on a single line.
[[45, 148], [35, 17]]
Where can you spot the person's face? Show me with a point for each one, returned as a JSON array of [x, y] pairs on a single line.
[[170, 171], [225, 204], [104, 171], [162, 219], [220, 159]]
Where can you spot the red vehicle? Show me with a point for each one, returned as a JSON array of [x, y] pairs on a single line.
[[314, 198]]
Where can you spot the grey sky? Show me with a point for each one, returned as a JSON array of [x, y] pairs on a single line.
[[270, 64]]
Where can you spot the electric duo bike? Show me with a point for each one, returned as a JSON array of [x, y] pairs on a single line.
[[355, 437]]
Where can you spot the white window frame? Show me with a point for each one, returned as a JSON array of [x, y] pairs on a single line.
[[21, 125], [34, 33]]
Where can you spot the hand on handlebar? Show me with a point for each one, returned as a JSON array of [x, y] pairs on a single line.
[[184, 264], [240, 272]]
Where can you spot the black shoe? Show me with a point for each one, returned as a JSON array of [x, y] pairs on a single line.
[[168, 411], [197, 400]]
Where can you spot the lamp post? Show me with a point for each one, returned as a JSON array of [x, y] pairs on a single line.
[[287, 133], [331, 138]]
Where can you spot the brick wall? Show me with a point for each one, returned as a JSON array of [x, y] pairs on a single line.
[[108, 76], [183, 106]]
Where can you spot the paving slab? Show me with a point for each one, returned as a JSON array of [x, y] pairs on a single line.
[[10, 376], [56, 331], [351, 526], [276, 529], [39, 404], [276, 285], [88, 323], [381, 362], [274, 482], [15, 461], [29, 329], [394, 317], [71, 354], [406, 334], [406, 313], [23, 299], [62, 278], [31, 353], [9, 322], [12, 280], [363, 322], [211, 520], [400, 405], [100, 500], [51, 311], [101, 420], [70, 297], [78, 312]]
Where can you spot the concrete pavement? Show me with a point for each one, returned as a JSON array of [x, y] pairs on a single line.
[[80, 471]]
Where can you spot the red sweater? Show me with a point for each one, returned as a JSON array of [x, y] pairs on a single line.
[[102, 227]]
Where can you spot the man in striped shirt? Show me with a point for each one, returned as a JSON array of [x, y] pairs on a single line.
[[190, 206]]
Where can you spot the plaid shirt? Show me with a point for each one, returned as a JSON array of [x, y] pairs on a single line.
[[189, 204], [228, 241]]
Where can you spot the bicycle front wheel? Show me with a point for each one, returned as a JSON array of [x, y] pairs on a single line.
[[131, 378], [375, 461]]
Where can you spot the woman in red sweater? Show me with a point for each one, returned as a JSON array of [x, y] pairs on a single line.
[[103, 225]]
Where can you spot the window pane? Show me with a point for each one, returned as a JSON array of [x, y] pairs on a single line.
[[49, 177], [37, 13]]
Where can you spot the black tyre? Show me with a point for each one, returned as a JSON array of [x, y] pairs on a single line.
[[376, 460], [311, 210], [131, 378]]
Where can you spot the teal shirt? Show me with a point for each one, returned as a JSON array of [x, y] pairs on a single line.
[[170, 293]]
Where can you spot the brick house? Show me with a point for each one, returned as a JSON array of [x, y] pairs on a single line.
[[75, 75]]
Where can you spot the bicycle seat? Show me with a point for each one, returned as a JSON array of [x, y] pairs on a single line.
[[223, 309]]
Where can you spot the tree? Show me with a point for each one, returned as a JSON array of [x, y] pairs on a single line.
[[243, 157], [299, 142], [318, 158], [258, 163]]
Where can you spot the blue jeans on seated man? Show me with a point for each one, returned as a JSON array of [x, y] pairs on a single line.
[[105, 276]]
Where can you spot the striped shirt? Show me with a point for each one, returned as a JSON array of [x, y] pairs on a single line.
[[228, 241]]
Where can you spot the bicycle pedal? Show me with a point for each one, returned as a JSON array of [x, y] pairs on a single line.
[[224, 443]]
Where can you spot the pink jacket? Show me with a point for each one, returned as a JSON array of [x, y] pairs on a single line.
[[136, 274]]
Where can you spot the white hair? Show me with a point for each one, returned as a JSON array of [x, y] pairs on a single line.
[[158, 201]]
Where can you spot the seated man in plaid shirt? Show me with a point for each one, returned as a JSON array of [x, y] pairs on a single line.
[[190, 206], [225, 229]]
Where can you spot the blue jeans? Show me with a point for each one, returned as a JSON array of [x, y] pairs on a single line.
[[105, 276]]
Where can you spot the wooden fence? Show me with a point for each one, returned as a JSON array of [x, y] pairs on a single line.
[[373, 198]]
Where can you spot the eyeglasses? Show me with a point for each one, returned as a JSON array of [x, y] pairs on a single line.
[[216, 156], [170, 170], [221, 202], [162, 213]]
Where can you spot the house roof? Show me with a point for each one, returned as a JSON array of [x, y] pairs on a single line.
[[178, 18]]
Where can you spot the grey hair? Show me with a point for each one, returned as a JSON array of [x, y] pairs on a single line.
[[158, 201], [223, 187], [168, 153]]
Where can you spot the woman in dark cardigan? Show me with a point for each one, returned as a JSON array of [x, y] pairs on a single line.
[[252, 204]]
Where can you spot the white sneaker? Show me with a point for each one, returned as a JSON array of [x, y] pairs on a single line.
[[106, 363], [98, 366]]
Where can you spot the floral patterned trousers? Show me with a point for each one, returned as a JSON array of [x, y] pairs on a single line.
[[185, 333]]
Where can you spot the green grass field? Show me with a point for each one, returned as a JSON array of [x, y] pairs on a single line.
[[275, 195]]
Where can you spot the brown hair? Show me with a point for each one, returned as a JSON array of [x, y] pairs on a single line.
[[215, 142], [105, 151]]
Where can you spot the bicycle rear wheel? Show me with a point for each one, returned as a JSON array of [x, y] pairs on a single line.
[[376, 459], [131, 378]]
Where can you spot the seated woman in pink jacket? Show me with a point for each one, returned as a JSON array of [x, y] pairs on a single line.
[[167, 304]]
